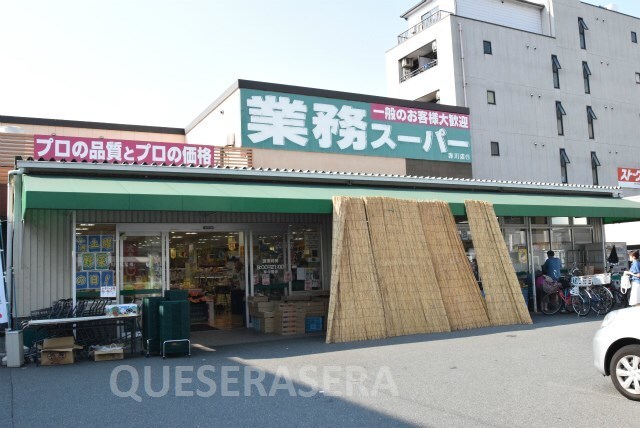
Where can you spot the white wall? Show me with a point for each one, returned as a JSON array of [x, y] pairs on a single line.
[[511, 13], [219, 124]]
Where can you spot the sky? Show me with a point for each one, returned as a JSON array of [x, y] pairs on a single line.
[[162, 62]]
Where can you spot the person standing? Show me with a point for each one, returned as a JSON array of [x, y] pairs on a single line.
[[551, 266], [634, 273]]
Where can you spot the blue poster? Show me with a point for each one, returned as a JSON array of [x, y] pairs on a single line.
[[103, 260], [81, 280], [106, 278], [94, 279], [88, 261], [81, 244], [106, 243], [94, 243]]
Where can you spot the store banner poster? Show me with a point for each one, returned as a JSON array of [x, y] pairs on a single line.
[[4, 305], [107, 285], [629, 177], [102, 150], [273, 120]]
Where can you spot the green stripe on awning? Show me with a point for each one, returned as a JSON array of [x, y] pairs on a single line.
[[171, 195]]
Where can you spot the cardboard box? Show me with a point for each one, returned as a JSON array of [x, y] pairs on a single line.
[[108, 355], [120, 310], [58, 351]]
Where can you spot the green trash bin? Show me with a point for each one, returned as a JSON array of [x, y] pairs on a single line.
[[176, 295], [175, 327], [151, 324]]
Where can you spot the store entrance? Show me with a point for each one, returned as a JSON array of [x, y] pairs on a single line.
[[142, 266], [209, 267], [271, 275]]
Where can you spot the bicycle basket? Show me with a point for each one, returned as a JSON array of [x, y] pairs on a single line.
[[581, 281], [550, 286]]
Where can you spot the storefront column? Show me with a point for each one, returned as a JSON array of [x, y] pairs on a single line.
[[532, 268]]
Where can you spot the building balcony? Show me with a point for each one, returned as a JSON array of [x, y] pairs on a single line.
[[409, 73], [422, 25]]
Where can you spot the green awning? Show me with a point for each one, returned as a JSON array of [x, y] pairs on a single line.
[[171, 195]]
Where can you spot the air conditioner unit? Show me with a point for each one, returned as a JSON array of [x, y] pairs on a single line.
[[407, 62], [434, 46], [406, 72]]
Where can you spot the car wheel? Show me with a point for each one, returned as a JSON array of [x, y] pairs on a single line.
[[625, 371]]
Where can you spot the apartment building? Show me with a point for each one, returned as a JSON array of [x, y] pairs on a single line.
[[553, 86]]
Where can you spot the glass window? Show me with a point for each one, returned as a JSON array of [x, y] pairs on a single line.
[[583, 235], [637, 77], [595, 163], [591, 116], [539, 220], [516, 240], [96, 261], [495, 148], [209, 261], [634, 37], [580, 221], [560, 220], [306, 259], [586, 72], [582, 26], [540, 244], [561, 243], [487, 47], [560, 112], [513, 220], [491, 97], [564, 161], [555, 67]]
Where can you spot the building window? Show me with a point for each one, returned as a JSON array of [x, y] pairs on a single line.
[[555, 66], [559, 113], [634, 37], [487, 47], [586, 72], [495, 148], [595, 163], [564, 160], [581, 28], [591, 116], [637, 77], [491, 97]]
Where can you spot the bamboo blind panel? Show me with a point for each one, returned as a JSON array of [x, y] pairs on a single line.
[[461, 296], [355, 304], [408, 284], [505, 304]]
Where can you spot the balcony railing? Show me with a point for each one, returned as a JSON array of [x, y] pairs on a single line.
[[423, 25], [419, 70]]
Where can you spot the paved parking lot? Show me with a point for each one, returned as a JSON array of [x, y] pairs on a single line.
[[511, 376]]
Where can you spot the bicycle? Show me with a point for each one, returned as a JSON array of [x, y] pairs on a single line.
[[564, 296], [592, 289]]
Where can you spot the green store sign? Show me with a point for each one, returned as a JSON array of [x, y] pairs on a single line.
[[272, 120]]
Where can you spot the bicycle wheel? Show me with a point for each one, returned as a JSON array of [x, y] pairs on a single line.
[[550, 303], [622, 300], [580, 305], [604, 300]]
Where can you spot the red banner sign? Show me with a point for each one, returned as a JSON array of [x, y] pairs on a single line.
[[49, 147], [419, 116], [628, 177]]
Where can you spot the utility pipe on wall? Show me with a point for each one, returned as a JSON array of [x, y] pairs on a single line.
[[464, 78]]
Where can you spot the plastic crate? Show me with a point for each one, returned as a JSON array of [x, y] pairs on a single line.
[[313, 324]]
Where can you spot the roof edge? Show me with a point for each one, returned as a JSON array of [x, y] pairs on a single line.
[[90, 125]]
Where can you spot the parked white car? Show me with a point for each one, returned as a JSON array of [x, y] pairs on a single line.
[[616, 350]]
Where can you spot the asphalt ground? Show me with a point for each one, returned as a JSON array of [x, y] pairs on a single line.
[[516, 376]]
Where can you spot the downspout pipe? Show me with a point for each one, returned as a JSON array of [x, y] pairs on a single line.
[[464, 77], [11, 299]]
